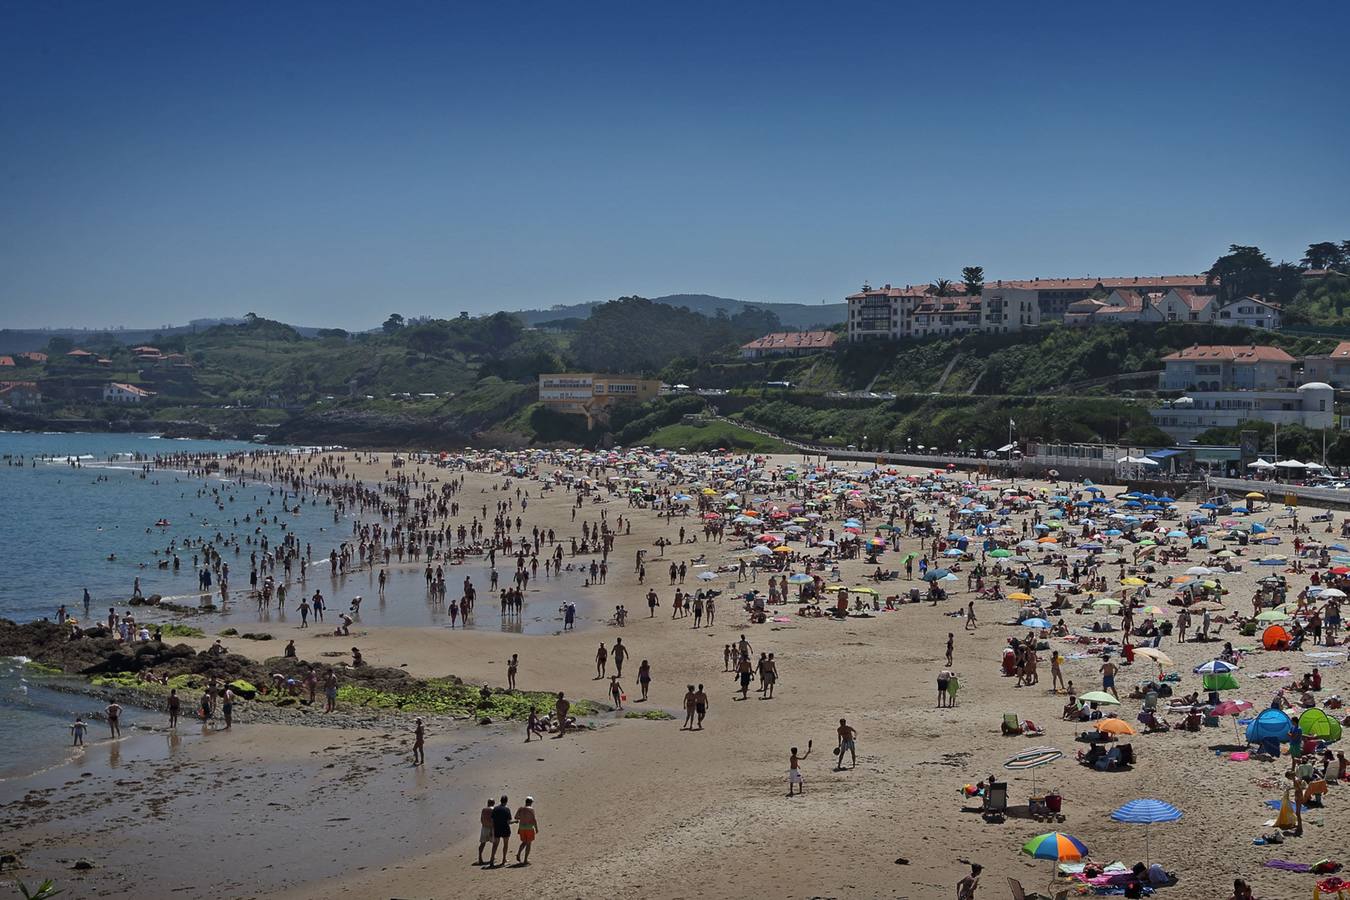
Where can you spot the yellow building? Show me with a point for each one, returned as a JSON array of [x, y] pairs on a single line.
[[591, 395]]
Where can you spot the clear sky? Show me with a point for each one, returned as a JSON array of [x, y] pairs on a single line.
[[330, 163]]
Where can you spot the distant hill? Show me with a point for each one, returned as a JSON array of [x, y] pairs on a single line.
[[792, 315], [18, 340]]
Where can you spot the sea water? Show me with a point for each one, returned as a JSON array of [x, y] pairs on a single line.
[[70, 528]]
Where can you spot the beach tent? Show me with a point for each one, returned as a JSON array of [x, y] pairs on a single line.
[[1275, 636], [1316, 723], [1271, 724]]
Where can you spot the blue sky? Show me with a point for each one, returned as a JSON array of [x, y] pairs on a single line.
[[329, 163]]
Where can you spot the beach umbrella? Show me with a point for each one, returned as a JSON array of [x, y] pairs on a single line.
[[1273, 615], [1114, 726], [1056, 846], [1020, 597], [935, 574], [1215, 667], [1000, 553], [707, 576], [1331, 592], [1031, 760], [1099, 697], [1107, 603], [1232, 708], [800, 578], [1161, 658], [1035, 623], [1146, 812], [1133, 582]]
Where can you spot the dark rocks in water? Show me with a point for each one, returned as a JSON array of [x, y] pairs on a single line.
[[256, 636], [152, 600], [82, 865]]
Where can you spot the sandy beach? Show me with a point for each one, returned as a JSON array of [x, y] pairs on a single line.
[[642, 808]]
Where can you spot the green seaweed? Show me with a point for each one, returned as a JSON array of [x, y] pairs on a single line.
[[37, 668], [175, 630], [654, 715], [445, 697]]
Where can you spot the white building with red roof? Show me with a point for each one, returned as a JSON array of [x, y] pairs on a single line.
[[789, 343]]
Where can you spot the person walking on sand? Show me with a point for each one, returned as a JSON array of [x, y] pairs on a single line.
[[501, 832], [484, 829], [1056, 671], [700, 705], [744, 672], [644, 678], [419, 742], [304, 613], [951, 647], [770, 677], [616, 691], [527, 828], [114, 712], [847, 741], [795, 771], [619, 653], [532, 726], [601, 661], [970, 616], [943, 683], [511, 671], [966, 887], [560, 710], [688, 709], [1108, 671]]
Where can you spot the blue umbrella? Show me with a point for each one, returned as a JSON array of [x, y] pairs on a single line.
[[1036, 623], [1146, 812], [935, 574]]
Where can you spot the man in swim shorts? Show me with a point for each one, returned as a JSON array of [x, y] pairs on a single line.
[[847, 737], [484, 829], [501, 831], [527, 828]]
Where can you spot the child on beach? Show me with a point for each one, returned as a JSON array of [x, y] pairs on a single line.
[[77, 732], [794, 770]]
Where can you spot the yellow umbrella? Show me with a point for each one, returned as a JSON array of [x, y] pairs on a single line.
[[1020, 597], [782, 549], [1156, 655], [1256, 495], [859, 589], [1133, 582]]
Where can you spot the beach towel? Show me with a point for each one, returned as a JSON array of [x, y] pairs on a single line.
[[1286, 866]]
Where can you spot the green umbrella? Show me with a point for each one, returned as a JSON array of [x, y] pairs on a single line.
[[1000, 553]]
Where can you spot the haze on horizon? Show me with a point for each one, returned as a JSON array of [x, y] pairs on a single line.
[[328, 165]]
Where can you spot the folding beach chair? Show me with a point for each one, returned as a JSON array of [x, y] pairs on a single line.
[[996, 800], [1011, 724]]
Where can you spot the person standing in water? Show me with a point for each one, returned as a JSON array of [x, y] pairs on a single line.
[[419, 742], [114, 712]]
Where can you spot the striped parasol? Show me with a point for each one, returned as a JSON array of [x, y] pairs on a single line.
[[1031, 760]]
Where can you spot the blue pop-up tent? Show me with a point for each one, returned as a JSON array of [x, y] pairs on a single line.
[[1271, 724]]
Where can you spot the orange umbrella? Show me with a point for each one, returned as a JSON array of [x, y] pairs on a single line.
[[1114, 726]]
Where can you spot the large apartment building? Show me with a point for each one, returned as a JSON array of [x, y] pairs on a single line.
[[591, 395], [891, 313], [1225, 386]]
